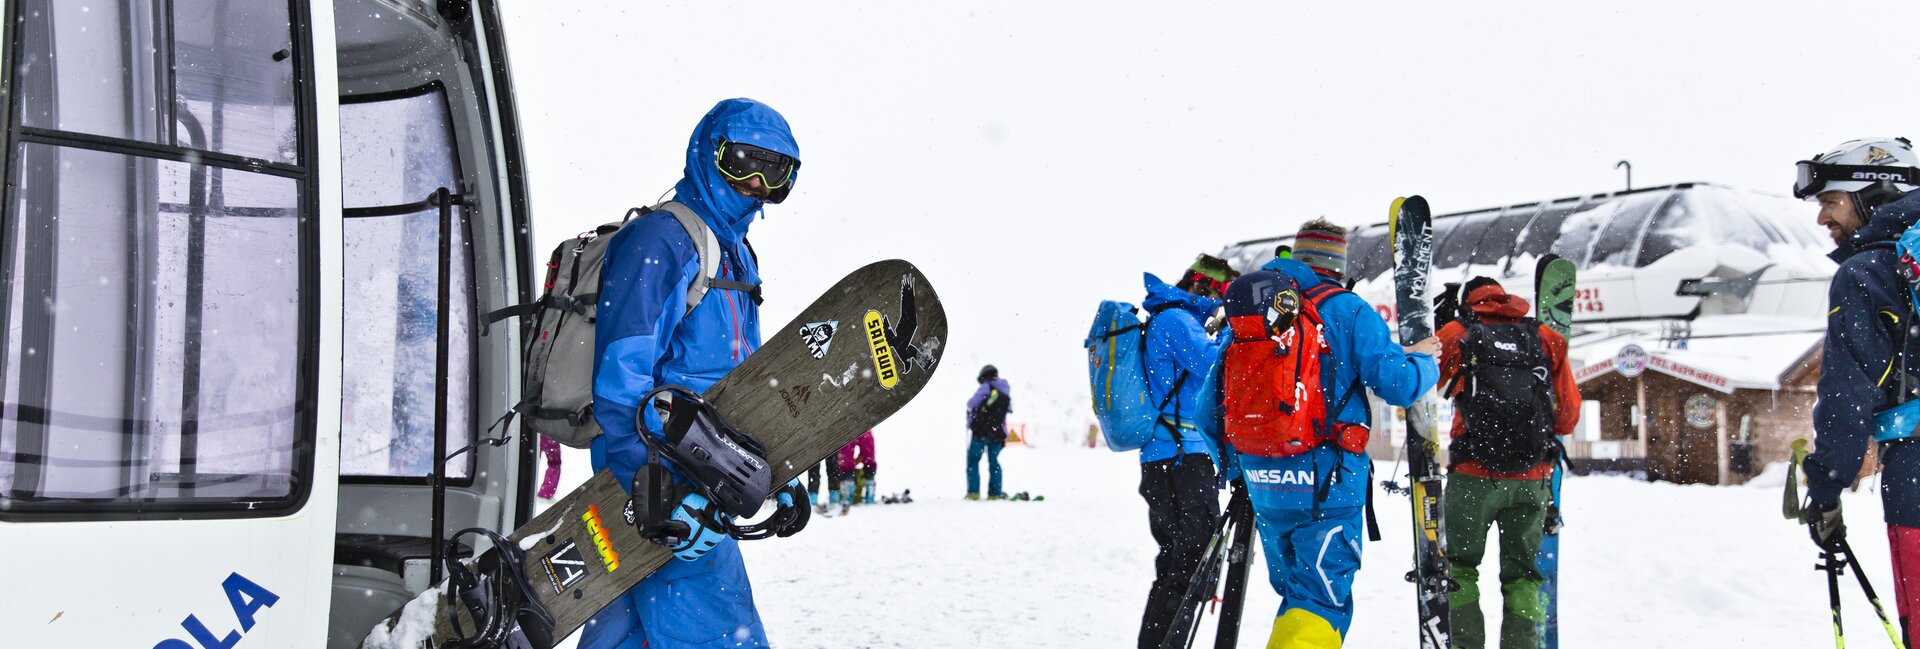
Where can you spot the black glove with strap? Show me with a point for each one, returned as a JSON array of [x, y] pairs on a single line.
[[1828, 529]]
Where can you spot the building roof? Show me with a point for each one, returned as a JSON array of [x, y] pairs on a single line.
[[1725, 352]]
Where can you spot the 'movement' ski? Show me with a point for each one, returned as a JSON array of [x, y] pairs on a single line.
[[1553, 284], [1411, 226]]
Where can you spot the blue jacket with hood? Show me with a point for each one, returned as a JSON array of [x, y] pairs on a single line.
[[1361, 349], [645, 337], [1177, 343], [1859, 370]]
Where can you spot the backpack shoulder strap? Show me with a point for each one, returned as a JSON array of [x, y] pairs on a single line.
[[706, 248]]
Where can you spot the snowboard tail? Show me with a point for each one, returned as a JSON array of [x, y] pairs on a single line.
[[843, 365]]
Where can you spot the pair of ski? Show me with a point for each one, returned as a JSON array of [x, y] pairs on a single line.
[[1410, 227]]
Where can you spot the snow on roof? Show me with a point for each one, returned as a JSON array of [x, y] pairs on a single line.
[[1724, 352], [1630, 229]]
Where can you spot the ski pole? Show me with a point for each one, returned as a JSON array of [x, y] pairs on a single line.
[[1239, 559], [1871, 597], [1205, 576], [1831, 565]]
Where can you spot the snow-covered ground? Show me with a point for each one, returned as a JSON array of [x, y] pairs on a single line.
[[1646, 565]]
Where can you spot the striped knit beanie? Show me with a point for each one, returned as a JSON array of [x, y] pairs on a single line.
[[1323, 246]]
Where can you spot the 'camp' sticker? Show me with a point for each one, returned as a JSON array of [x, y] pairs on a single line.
[[884, 366], [819, 336]]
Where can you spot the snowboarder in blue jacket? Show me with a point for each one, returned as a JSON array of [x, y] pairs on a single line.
[[1176, 469], [645, 337], [1309, 508]]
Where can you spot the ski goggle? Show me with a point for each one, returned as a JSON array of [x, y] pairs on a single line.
[[739, 162], [1200, 279], [1811, 178]]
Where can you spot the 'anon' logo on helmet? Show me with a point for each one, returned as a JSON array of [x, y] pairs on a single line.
[[1876, 175], [1877, 155]]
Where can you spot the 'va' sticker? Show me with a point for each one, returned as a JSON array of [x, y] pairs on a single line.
[[819, 336], [565, 567]]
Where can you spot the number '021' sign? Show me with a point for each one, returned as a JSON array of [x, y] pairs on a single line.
[[246, 598]]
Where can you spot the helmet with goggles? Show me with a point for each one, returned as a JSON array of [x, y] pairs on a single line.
[[1874, 170], [739, 162]]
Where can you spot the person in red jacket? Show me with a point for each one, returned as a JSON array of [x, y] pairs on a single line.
[[1514, 395]]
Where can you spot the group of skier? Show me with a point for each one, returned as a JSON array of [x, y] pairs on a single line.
[[1214, 341], [1261, 383]]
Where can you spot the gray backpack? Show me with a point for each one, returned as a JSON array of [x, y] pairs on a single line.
[[557, 363]]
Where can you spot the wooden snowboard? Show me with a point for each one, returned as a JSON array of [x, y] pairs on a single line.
[[846, 363]]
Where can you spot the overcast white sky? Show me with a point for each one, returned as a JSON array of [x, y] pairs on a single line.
[[1035, 157]]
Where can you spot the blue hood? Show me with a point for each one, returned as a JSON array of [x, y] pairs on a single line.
[[1160, 294], [704, 189], [1888, 222]]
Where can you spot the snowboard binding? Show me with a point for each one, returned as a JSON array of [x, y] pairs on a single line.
[[727, 466], [498, 598]]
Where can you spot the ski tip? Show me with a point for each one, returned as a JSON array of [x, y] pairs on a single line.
[[1393, 220], [1414, 202]]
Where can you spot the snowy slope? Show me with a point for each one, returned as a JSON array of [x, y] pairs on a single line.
[[1646, 565]]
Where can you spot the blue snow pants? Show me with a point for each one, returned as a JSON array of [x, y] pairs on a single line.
[[991, 449], [1313, 553], [1312, 561], [702, 604]]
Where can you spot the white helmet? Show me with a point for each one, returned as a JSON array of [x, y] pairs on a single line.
[[1875, 170]]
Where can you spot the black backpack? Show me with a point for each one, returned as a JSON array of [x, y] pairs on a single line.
[[1506, 397], [989, 420]]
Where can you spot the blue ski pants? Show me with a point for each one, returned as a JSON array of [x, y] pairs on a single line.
[[990, 448], [1312, 558]]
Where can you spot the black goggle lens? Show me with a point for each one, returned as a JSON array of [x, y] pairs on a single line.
[[742, 161]]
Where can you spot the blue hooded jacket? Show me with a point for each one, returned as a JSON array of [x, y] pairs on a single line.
[[1360, 348], [1177, 343], [644, 337], [1866, 326]]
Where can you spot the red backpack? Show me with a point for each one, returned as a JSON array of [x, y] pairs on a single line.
[[1275, 403]]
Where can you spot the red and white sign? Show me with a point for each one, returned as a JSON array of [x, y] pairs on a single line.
[[1635, 355], [1604, 366], [1692, 374]]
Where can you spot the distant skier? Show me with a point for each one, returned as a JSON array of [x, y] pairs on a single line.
[[987, 422], [1513, 392], [1310, 504], [741, 156], [1869, 362], [1177, 477], [857, 466]]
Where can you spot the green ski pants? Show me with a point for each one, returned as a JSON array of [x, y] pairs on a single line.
[[1519, 507]]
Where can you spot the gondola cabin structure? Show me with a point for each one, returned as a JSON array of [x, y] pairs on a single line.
[[246, 248]]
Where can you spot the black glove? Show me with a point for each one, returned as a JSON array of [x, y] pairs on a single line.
[[1826, 527], [1446, 305]]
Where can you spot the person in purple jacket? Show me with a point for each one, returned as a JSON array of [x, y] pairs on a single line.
[[987, 420]]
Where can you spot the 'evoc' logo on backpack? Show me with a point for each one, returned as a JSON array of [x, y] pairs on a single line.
[[1506, 346]]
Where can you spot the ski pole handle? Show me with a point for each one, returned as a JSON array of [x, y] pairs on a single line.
[[1790, 503]]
